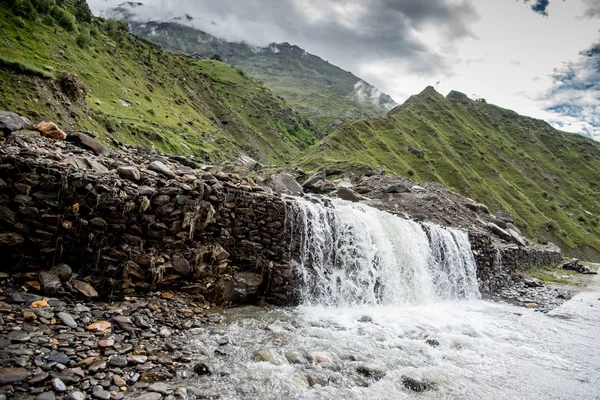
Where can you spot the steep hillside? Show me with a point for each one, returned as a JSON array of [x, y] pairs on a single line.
[[87, 73], [312, 85], [547, 179]]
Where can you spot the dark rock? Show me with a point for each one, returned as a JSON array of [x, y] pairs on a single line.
[[86, 142], [243, 287], [348, 194], [575, 265], [58, 356], [67, 319], [18, 336], [313, 180], [63, 271], [8, 376], [123, 322], [504, 235], [7, 215], [161, 168], [45, 396], [284, 183], [130, 173], [10, 122], [98, 392], [181, 265], [11, 239], [504, 217], [417, 385], [59, 385], [118, 361], [432, 342], [202, 369], [397, 188], [371, 371]]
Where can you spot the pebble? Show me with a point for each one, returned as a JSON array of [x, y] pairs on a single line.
[[77, 395], [161, 388], [99, 393], [59, 385], [67, 319], [45, 396]]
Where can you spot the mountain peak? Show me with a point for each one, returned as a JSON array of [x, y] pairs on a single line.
[[459, 97], [428, 92]]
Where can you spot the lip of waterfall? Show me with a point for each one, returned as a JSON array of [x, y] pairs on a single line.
[[352, 254]]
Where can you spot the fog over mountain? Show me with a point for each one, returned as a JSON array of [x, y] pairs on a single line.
[[538, 57]]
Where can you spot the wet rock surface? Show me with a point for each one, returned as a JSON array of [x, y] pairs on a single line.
[[73, 349]]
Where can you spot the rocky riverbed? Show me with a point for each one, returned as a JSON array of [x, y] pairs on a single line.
[[67, 348]]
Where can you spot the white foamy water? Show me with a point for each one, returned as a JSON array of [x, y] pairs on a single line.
[[401, 298], [351, 254]]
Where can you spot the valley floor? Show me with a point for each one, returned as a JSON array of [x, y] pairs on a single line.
[[162, 345]]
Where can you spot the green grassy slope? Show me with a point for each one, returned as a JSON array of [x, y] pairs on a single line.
[[547, 179], [312, 85], [139, 94]]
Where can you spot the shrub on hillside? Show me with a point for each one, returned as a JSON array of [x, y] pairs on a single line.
[[23, 8], [83, 40], [82, 11], [43, 6], [64, 18]]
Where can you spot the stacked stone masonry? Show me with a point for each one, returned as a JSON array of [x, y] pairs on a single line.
[[125, 228], [200, 231]]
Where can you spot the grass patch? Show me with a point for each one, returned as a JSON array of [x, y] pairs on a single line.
[[550, 274], [23, 67]]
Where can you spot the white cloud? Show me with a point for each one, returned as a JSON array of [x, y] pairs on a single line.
[[496, 49]]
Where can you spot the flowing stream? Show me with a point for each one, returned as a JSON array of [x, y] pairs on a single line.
[[385, 299]]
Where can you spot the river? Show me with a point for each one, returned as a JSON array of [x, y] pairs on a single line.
[[387, 302]]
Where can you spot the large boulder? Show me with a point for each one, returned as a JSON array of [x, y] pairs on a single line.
[[501, 233], [397, 188], [85, 163], [161, 168], [50, 130], [516, 237], [348, 194], [283, 183], [242, 288], [314, 180], [248, 162], [10, 122], [86, 142]]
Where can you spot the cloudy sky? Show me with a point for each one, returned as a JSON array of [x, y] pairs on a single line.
[[538, 57]]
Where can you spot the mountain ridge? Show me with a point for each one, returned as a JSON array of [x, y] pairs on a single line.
[[547, 179], [309, 83]]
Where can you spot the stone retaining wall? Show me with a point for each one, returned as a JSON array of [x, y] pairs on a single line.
[[497, 267], [124, 228], [220, 236]]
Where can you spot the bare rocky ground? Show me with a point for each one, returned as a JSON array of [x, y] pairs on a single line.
[[556, 286], [70, 348]]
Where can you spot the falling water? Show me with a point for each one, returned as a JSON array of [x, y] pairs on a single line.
[[352, 254], [380, 303]]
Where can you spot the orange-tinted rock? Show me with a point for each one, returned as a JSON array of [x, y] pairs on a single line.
[[85, 288], [49, 129], [99, 327]]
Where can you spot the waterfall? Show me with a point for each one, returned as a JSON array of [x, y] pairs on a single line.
[[350, 254]]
